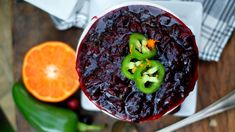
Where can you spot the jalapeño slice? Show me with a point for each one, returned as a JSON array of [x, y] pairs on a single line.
[[129, 66], [138, 47], [149, 76]]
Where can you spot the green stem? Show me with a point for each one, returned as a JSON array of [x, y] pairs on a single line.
[[82, 127]]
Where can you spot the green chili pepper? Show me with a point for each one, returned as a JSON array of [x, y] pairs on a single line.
[[149, 76], [45, 117], [129, 66], [138, 47]]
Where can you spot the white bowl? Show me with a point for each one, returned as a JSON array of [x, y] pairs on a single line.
[[95, 18]]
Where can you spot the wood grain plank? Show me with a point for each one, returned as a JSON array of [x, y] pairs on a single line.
[[6, 58]]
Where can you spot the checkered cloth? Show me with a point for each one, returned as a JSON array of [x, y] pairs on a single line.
[[217, 26]]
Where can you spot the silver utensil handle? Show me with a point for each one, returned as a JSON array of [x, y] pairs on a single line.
[[191, 119], [223, 104]]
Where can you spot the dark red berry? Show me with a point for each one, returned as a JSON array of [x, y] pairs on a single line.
[[73, 103]]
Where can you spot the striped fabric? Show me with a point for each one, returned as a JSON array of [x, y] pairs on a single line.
[[217, 26]]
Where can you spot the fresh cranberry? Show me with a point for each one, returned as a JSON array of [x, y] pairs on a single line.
[[73, 103]]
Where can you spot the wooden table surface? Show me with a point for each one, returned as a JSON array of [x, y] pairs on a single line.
[[32, 26], [6, 59]]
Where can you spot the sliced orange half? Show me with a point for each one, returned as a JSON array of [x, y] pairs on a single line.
[[49, 71]]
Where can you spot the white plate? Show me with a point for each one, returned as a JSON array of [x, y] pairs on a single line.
[[189, 12]]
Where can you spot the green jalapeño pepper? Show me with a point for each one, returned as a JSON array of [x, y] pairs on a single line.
[[46, 117], [138, 47], [149, 76], [129, 66], [43, 117]]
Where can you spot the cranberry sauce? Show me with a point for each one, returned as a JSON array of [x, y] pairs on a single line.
[[106, 44]]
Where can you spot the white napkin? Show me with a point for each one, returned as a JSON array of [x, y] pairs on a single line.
[[61, 9]]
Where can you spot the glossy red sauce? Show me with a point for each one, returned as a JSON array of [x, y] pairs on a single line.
[[106, 44]]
